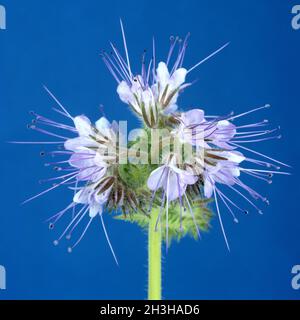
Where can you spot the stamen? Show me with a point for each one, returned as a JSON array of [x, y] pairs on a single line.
[[84, 209], [173, 41], [228, 207], [248, 112], [70, 249], [260, 154], [125, 47], [154, 61], [208, 57], [57, 101], [36, 142], [47, 190], [220, 220], [243, 196], [108, 241]]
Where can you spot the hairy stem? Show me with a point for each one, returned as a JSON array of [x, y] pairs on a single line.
[[154, 258]]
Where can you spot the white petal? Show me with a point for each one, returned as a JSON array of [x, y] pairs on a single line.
[[83, 125], [78, 143], [85, 160], [98, 161], [102, 124], [235, 172], [147, 97], [208, 188], [87, 174], [185, 177], [124, 92], [94, 210], [162, 74], [188, 178], [194, 116], [170, 109], [174, 188], [81, 196], [178, 78], [102, 197], [155, 179], [235, 157]]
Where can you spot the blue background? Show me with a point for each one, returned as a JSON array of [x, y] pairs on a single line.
[[58, 43]]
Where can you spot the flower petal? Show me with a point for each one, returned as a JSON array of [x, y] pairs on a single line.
[[78, 143], [83, 125], [95, 208], [156, 178], [82, 160], [102, 124], [193, 117], [178, 78], [162, 74], [208, 188], [124, 92]]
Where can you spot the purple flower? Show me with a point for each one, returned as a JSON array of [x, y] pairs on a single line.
[[221, 160], [173, 181], [86, 171], [152, 92]]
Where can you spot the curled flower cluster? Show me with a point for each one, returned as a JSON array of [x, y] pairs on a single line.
[[179, 186]]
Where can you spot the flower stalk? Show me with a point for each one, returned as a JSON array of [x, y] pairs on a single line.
[[154, 258]]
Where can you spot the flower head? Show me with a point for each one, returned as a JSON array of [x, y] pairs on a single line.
[[206, 154]]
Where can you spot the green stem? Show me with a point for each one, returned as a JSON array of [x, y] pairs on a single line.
[[154, 258]]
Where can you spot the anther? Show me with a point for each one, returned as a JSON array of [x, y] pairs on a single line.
[[236, 220], [70, 250], [55, 242], [51, 226], [260, 212], [68, 236]]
